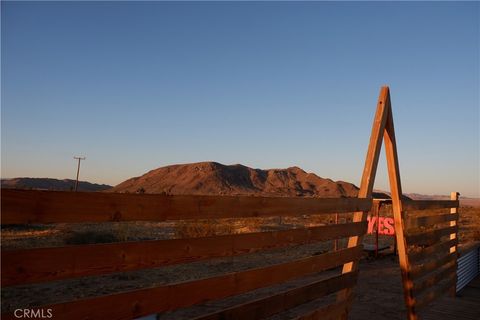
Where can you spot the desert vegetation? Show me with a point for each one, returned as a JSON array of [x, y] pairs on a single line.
[[30, 236], [36, 235]]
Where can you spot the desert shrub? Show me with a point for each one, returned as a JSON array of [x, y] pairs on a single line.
[[123, 232], [202, 228], [89, 237]]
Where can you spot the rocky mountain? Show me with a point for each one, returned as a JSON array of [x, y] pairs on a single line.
[[212, 178], [51, 184]]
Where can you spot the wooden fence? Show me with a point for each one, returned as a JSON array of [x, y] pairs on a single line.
[[430, 254], [30, 266], [427, 260]]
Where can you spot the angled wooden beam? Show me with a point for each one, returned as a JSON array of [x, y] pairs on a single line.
[[375, 144], [396, 194], [368, 176], [44, 207]]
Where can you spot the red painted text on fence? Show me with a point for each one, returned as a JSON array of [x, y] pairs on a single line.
[[385, 225]]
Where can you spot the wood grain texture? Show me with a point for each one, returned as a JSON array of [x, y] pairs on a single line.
[[143, 302], [48, 264], [393, 167], [429, 204], [368, 177], [430, 237], [267, 306], [418, 271], [31, 206], [454, 250], [428, 221], [427, 252], [435, 292], [332, 311], [375, 144], [446, 271]]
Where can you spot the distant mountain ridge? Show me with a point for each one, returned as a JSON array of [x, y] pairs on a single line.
[[51, 184], [212, 178], [464, 201], [417, 196]]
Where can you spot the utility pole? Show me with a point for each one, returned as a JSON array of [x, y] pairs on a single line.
[[78, 170]]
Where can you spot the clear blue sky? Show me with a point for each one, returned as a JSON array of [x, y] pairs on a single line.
[[135, 86]]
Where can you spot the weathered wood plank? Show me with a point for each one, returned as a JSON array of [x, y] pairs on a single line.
[[393, 167], [434, 293], [452, 309], [429, 204], [428, 221], [368, 175], [454, 236], [143, 302], [48, 264], [430, 237], [427, 252], [419, 271], [332, 311], [267, 306], [431, 280], [31, 206]]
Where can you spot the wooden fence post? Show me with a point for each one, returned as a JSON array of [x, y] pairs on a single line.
[[398, 214], [368, 179], [336, 240], [454, 196]]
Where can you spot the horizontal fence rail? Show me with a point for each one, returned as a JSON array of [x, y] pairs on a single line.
[[40, 265], [431, 242], [332, 311], [170, 297], [48, 264], [426, 221], [432, 269], [285, 300], [430, 237], [429, 204], [31, 206], [427, 252]]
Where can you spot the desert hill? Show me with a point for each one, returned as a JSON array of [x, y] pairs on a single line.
[[464, 201], [51, 184], [212, 178]]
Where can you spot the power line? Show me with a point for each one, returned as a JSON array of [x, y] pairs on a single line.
[[78, 170]]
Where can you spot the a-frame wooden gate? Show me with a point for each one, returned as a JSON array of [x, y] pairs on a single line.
[[427, 244]]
